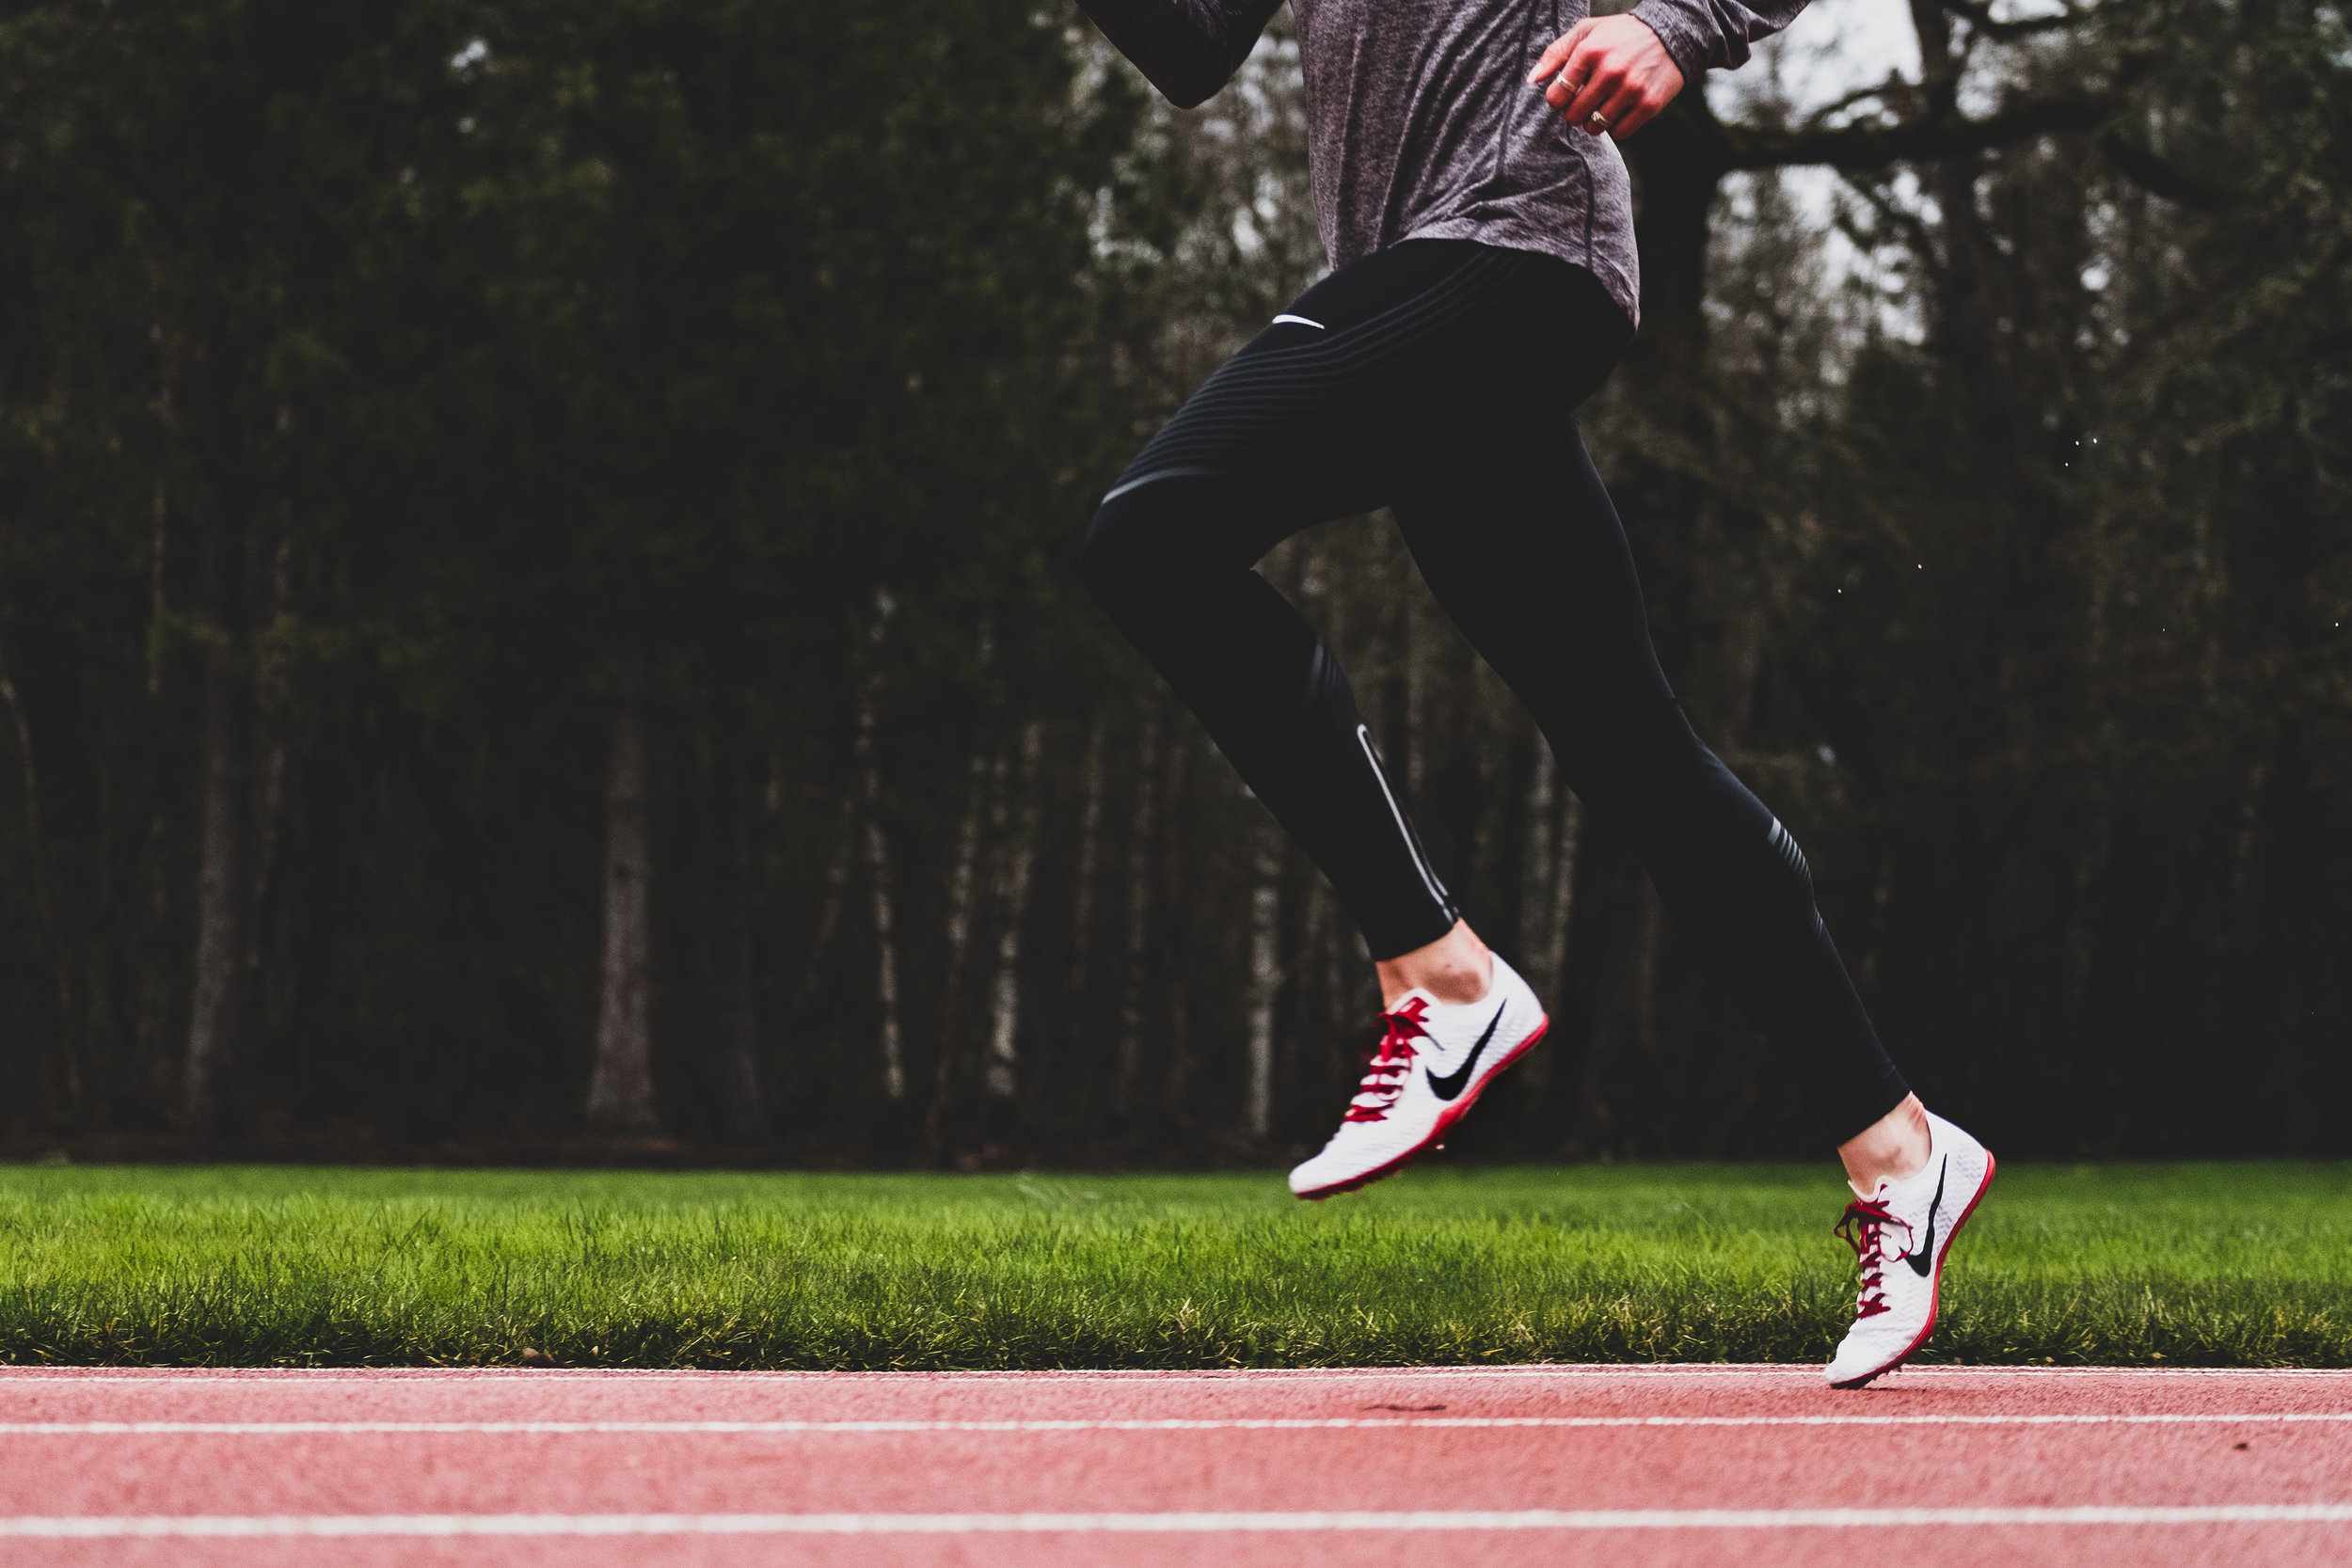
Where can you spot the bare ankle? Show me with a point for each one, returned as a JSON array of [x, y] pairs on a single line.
[[1456, 968], [1891, 1148]]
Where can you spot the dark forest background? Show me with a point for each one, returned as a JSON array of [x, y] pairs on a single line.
[[538, 610]]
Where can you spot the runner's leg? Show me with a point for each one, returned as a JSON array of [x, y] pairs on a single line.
[[1442, 377], [1295, 429], [1527, 553], [1523, 547]]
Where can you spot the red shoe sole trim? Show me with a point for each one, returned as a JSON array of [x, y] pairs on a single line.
[[1446, 1120], [1935, 1291]]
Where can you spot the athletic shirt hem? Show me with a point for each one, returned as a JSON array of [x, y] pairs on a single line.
[[1504, 234]]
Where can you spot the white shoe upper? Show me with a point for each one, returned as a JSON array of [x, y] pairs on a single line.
[[1432, 1061], [1900, 1237]]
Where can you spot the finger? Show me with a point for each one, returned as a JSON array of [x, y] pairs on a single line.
[[1557, 56], [1577, 61], [1659, 88], [1606, 81], [1574, 72], [1563, 86], [1572, 75], [1621, 112], [1639, 112]]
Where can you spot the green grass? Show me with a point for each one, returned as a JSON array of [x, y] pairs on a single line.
[[2216, 1265]]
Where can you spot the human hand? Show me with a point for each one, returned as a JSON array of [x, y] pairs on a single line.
[[1610, 75]]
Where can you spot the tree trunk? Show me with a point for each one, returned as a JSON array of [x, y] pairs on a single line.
[[158, 602], [1139, 918], [1012, 906], [1089, 868], [962, 878], [216, 1016], [620, 1086], [2097, 840], [1266, 976], [844, 838], [2308, 1079], [894, 1061], [846, 835], [60, 952], [731, 917], [1182, 890]]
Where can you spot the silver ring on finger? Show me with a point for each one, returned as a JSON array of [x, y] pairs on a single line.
[[1598, 120]]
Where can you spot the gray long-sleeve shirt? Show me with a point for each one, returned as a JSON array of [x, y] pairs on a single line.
[[1421, 123]]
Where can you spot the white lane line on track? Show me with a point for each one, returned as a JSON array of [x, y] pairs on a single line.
[[151, 1526], [1240, 1423], [1530, 1370]]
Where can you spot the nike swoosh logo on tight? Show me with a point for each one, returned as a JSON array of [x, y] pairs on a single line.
[[1924, 1259], [1452, 1082]]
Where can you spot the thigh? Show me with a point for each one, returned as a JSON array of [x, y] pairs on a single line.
[[1522, 546], [1310, 419], [1510, 523]]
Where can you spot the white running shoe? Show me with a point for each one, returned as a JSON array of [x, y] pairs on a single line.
[[1900, 1238], [1428, 1069]]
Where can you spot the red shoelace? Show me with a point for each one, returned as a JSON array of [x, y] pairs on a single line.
[[1863, 1228], [1388, 1062]]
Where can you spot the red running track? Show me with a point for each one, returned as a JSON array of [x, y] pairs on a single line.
[[1630, 1466]]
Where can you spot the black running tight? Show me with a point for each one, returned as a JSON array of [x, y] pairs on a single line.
[[1438, 379]]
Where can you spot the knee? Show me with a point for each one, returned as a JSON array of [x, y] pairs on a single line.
[[1116, 561], [1106, 563], [1131, 552]]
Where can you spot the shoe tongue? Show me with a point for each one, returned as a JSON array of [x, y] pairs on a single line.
[[1428, 1002]]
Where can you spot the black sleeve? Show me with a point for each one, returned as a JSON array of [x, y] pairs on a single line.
[[1188, 49]]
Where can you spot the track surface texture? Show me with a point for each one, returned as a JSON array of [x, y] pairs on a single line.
[[1626, 1466]]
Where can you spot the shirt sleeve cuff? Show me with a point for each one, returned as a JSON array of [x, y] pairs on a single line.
[[1679, 27]]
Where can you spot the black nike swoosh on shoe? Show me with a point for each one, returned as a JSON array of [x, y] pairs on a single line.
[[1452, 1082], [1924, 1259]]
